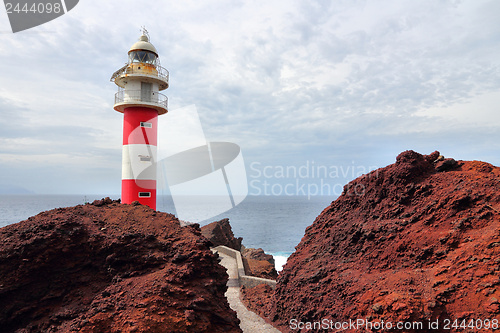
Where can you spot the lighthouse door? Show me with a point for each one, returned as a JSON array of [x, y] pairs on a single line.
[[146, 91]]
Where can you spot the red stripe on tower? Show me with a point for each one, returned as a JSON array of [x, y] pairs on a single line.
[[143, 191], [139, 99], [142, 118]]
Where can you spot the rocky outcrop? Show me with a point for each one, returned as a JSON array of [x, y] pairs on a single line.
[[107, 267], [416, 241], [220, 233], [258, 263], [257, 254]]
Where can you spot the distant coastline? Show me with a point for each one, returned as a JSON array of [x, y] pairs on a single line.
[[13, 190]]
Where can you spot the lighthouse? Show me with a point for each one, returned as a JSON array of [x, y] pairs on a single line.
[[139, 99]]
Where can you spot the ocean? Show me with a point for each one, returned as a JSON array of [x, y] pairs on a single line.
[[274, 223]]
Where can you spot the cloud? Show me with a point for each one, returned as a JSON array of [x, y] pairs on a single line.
[[288, 81]]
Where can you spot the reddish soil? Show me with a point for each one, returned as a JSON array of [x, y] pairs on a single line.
[[416, 241], [258, 299], [109, 267]]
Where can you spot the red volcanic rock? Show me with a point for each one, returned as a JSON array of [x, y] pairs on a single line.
[[258, 299], [220, 233], [258, 263], [416, 241], [257, 254], [260, 268], [109, 267]]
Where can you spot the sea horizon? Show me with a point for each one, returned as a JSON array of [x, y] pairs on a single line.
[[274, 223]]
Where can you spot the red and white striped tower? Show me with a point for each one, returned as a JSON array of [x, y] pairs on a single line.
[[139, 99]]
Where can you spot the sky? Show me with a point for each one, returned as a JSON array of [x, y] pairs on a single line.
[[341, 85]]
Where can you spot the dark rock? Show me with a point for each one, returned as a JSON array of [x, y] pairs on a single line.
[[410, 165], [257, 254], [220, 233], [432, 157], [110, 268], [446, 164], [102, 202], [258, 263]]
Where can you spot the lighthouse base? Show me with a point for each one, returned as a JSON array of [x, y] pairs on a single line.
[[143, 191]]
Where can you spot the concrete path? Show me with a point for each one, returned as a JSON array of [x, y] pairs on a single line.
[[250, 321]]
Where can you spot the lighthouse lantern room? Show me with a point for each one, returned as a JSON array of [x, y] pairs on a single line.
[[139, 99]]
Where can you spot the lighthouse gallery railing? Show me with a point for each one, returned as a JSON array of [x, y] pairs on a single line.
[[124, 96], [162, 72]]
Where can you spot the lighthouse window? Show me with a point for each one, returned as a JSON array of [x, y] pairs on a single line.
[[143, 158], [142, 56], [144, 194], [146, 125]]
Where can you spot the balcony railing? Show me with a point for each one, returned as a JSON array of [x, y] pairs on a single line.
[[141, 96], [162, 73]]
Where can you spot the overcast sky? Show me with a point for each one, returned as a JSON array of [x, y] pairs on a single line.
[[345, 84]]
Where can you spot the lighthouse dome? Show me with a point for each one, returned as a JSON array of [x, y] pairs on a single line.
[[143, 44], [143, 52]]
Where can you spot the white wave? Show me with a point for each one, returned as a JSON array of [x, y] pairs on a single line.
[[280, 259]]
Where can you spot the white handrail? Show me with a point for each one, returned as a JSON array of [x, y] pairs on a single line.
[[162, 72], [154, 97]]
